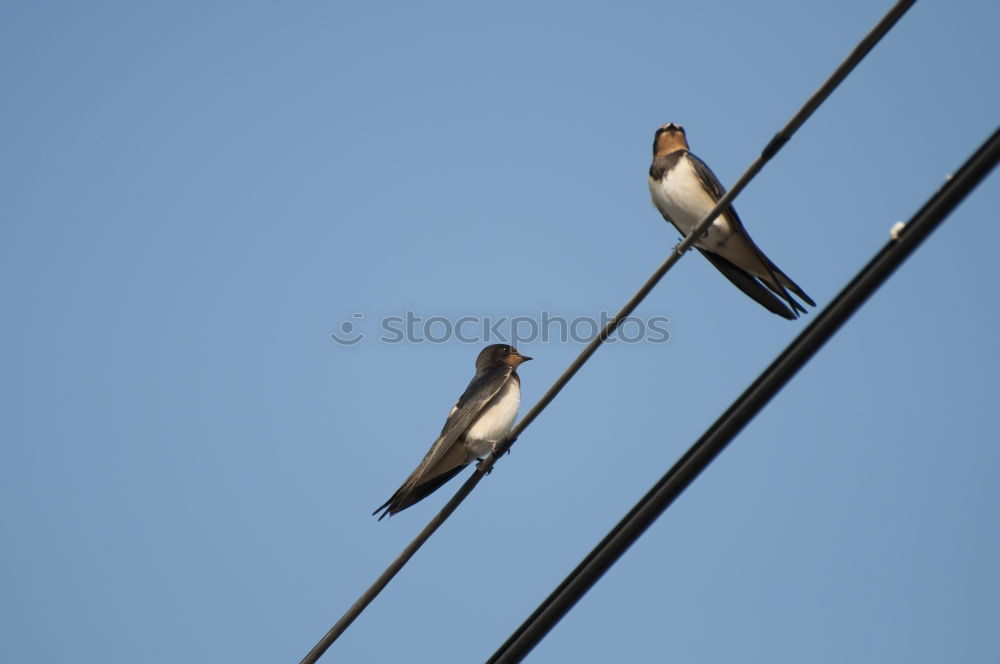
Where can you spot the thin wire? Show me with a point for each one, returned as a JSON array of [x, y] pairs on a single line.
[[719, 435], [486, 465]]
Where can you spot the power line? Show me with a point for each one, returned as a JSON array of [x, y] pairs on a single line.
[[783, 369], [486, 465]]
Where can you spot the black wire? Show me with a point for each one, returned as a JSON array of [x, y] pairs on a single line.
[[680, 476], [486, 465]]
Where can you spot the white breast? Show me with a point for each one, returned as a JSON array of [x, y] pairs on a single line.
[[495, 420], [680, 196]]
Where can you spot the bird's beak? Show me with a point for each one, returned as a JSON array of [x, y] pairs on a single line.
[[524, 358]]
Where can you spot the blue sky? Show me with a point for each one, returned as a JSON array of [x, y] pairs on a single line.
[[195, 195]]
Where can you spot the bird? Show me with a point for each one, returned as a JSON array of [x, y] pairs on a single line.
[[477, 423], [684, 190]]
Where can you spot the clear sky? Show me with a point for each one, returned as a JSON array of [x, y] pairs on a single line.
[[196, 195]]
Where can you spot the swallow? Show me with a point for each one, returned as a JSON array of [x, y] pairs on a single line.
[[477, 423], [684, 190]]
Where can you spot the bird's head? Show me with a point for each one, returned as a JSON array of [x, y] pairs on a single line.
[[669, 138], [499, 355]]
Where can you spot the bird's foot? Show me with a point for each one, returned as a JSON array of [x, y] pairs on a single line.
[[496, 446]]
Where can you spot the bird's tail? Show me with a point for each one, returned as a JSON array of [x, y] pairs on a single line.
[[755, 287], [407, 495], [780, 283]]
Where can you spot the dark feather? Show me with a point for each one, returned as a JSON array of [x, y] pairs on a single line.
[[663, 163], [749, 285], [400, 502]]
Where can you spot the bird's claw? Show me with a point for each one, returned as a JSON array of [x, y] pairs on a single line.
[[497, 446]]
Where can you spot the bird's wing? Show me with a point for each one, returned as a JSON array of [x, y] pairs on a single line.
[[480, 392], [713, 187], [749, 285], [777, 280]]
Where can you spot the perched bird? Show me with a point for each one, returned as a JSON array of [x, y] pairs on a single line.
[[481, 419], [684, 190]]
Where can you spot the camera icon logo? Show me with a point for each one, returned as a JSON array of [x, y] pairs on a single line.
[[349, 334]]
